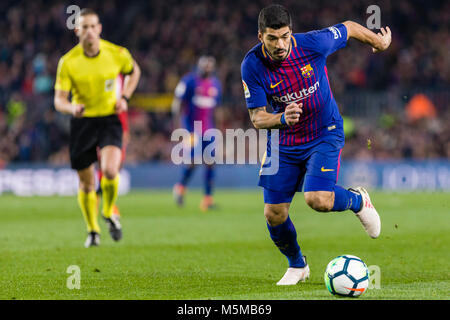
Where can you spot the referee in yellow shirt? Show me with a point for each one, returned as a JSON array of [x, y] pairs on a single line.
[[88, 72]]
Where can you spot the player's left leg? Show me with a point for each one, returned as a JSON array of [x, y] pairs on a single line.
[[208, 201], [126, 139], [110, 143], [99, 187], [208, 152], [111, 159], [337, 199], [110, 165], [323, 194], [99, 175]]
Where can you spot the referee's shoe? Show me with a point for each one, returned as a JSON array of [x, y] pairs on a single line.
[[115, 228], [93, 240]]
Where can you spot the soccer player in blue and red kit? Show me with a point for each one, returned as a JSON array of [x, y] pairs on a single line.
[[288, 72], [196, 96]]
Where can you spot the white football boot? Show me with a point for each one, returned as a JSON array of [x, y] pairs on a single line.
[[294, 275], [93, 240], [368, 215]]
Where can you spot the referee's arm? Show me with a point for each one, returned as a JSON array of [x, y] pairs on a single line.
[[129, 85], [63, 105], [131, 81]]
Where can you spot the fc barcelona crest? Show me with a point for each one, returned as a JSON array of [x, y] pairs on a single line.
[[307, 71]]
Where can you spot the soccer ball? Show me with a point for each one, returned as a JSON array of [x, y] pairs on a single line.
[[347, 276]]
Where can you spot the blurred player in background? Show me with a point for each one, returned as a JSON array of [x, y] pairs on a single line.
[[196, 96], [288, 71], [89, 72]]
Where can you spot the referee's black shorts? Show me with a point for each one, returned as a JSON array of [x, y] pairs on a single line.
[[86, 134]]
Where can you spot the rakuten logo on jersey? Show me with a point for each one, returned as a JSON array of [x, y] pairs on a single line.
[[297, 96]]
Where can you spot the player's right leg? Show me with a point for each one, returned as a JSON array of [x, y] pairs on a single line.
[[283, 234], [179, 189], [83, 142], [87, 200], [193, 147], [279, 189]]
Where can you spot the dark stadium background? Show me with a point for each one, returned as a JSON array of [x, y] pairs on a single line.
[[395, 104]]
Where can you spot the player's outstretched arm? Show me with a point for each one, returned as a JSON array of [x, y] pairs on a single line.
[[262, 119], [378, 42]]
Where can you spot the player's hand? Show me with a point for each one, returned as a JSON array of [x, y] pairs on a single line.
[[78, 110], [385, 38], [292, 113], [121, 105]]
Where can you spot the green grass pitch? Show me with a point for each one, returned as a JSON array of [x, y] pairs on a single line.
[[172, 253]]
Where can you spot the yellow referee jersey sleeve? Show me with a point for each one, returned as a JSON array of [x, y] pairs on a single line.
[[63, 81], [92, 81], [127, 61]]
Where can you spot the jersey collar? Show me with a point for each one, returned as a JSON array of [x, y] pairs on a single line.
[[95, 55]]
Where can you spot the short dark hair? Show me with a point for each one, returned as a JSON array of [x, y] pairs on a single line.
[[274, 16], [87, 12]]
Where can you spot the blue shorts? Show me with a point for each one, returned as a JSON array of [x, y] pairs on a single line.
[[312, 167]]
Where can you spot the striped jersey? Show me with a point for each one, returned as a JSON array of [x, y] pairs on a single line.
[[301, 78]]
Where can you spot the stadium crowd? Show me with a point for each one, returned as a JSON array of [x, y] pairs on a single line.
[[166, 38]]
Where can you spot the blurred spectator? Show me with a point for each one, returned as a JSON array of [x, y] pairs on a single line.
[[420, 107]]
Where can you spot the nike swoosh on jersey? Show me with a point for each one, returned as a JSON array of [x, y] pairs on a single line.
[[275, 85], [325, 170]]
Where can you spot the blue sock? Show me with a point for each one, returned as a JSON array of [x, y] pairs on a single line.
[[209, 177], [346, 200], [186, 175], [285, 238]]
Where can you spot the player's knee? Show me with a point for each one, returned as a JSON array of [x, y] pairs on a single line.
[[275, 215], [110, 172], [87, 179], [318, 201], [87, 185]]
